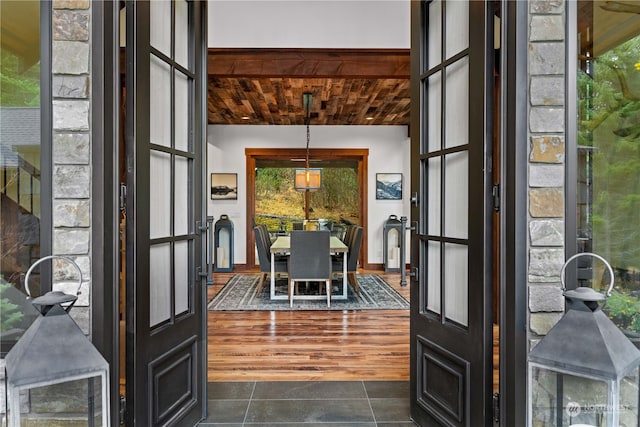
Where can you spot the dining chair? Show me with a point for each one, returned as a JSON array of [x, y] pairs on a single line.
[[310, 260], [263, 244], [348, 234], [354, 243]]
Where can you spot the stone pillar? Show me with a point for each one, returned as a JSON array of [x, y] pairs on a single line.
[[71, 180], [546, 164]]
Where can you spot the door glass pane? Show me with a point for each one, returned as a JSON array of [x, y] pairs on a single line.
[[181, 196], [182, 112], [434, 113], [456, 287], [456, 195], [160, 21], [159, 194], [457, 24], [181, 262], [182, 33], [434, 33], [159, 283], [433, 277], [457, 104], [433, 196], [160, 102]]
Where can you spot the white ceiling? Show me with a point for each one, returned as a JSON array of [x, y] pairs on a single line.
[[309, 23]]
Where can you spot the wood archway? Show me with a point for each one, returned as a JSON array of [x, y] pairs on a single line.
[[361, 155]]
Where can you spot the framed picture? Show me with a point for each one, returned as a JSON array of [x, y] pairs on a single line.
[[224, 186], [389, 186]]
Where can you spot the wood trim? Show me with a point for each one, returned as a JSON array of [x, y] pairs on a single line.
[[309, 63], [359, 154]]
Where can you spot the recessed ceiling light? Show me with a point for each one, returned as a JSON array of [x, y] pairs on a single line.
[[245, 117], [369, 118]]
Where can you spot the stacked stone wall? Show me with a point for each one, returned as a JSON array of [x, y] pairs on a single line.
[[546, 189], [71, 146]]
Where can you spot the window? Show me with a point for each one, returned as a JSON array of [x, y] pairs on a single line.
[[21, 166], [608, 151]]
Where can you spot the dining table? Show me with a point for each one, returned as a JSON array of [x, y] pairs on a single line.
[[282, 246]]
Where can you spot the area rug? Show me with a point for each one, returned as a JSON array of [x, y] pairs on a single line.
[[240, 294]]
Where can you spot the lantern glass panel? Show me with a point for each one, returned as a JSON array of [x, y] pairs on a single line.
[[564, 400], [224, 247], [629, 403], [66, 403], [393, 248]]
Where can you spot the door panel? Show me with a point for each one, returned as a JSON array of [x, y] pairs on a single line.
[[166, 335], [451, 255]]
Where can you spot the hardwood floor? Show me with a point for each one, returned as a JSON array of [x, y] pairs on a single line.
[[308, 345]]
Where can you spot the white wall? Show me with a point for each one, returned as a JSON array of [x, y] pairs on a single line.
[[309, 23], [388, 153]]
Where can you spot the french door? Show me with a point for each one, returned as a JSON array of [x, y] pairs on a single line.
[[451, 288], [165, 140]]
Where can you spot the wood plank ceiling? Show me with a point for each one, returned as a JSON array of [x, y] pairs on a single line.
[[349, 87]]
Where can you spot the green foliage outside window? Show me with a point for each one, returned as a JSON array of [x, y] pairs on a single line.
[[278, 203], [18, 88], [609, 131], [10, 314]]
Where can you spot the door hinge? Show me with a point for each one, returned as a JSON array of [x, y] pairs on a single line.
[[496, 407], [496, 197], [122, 408], [123, 197]]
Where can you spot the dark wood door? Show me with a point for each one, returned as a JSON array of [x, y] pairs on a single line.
[[451, 292], [165, 138]]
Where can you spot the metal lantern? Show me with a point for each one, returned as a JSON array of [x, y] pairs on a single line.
[[52, 360], [392, 236], [584, 372], [223, 242]]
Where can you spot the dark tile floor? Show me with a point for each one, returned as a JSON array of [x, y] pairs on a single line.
[[309, 404]]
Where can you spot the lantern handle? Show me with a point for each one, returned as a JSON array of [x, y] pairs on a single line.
[[606, 263], [69, 260]]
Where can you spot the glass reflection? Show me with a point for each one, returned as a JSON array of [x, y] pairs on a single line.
[[609, 152], [19, 163]]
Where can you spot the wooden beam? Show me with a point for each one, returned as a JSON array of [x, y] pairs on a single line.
[[298, 63]]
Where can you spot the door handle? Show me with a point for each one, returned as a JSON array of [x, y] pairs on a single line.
[[414, 199]]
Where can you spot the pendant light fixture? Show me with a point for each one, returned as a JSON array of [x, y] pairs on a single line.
[[307, 179]]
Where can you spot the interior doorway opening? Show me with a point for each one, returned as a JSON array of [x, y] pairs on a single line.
[[282, 207]]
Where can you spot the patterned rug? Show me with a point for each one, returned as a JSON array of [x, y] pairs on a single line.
[[240, 294]]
